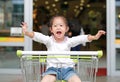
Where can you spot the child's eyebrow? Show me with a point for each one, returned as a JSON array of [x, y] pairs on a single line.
[[58, 24]]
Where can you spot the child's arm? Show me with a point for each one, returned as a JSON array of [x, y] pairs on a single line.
[[25, 31], [97, 36]]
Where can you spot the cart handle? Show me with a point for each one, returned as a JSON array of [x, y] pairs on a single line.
[[98, 53]]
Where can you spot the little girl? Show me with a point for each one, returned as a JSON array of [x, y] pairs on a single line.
[[59, 42]]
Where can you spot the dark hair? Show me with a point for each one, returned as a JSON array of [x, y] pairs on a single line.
[[52, 19]]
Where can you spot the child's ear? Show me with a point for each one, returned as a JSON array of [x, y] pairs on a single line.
[[67, 29], [50, 29]]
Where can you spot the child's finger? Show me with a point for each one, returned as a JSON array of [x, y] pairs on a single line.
[[22, 24], [102, 32]]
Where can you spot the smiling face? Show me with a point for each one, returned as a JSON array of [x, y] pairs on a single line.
[[59, 28]]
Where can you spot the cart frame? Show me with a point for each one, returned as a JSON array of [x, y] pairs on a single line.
[[86, 61]]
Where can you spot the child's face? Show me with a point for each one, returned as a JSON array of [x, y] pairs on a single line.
[[59, 28]]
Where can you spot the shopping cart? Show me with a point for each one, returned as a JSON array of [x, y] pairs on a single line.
[[33, 64]]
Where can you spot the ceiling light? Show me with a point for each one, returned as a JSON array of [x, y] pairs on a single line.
[[82, 1], [81, 8], [46, 2], [65, 2], [76, 6], [75, 10], [56, 0], [81, 4], [88, 5], [119, 16], [53, 5], [48, 7]]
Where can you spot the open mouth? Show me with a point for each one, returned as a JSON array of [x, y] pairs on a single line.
[[58, 32]]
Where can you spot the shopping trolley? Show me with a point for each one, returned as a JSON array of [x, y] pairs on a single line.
[[33, 63]]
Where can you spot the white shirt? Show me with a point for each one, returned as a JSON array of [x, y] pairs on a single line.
[[65, 45]]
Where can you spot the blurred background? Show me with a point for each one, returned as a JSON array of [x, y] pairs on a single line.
[[84, 17]]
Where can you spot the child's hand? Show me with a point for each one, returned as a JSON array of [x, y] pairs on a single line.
[[24, 27], [99, 34], [25, 31]]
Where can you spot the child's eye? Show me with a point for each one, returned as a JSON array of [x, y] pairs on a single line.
[[55, 25], [61, 25]]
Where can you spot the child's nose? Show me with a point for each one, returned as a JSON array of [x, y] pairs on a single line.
[[58, 26]]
